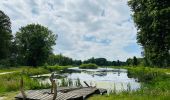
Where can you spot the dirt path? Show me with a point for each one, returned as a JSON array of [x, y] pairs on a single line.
[[2, 98], [168, 73], [7, 73]]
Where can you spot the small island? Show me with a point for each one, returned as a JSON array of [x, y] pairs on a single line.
[[88, 66]]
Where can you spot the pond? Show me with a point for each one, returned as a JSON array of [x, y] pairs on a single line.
[[106, 78]]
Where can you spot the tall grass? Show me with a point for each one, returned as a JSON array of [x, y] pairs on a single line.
[[11, 82], [56, 68], [70, 82]]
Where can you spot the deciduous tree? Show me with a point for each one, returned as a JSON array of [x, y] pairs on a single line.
[[152, 19], [35, 44], [5, 35]]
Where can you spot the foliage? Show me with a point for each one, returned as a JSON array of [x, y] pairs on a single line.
[[34, 43], [131, 96], [69, 82], [5, 37], [88, 66], [59, 60], [34, 71], [145, 74], [4, 63], [152, 21], [57, 68], [10, 82], [62, 60], [25, 69], [104, 62], [135, 61], [77, 62]]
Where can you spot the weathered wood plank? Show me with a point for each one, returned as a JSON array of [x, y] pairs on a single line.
[[63, 93]]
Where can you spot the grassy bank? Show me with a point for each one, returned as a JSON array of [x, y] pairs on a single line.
[[155, 85], [155, 82], [10, 81]]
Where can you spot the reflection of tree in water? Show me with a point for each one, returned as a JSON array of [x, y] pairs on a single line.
[[118, 72], [89, 72], [100, 74]]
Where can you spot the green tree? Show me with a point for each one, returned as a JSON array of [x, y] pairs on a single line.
[[62, 60], [135, 61], [77, 62], [35, 44], [152, 21], [129, 61], [5, 35]]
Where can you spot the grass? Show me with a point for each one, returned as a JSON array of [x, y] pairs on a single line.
[[155, 82], [10, 82], [129, 96], [56, 68], [9, 95], [27, 69], [155, 85]]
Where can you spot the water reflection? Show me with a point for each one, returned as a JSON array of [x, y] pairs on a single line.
[[110, 79]]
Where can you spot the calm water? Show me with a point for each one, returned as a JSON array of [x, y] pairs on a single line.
[[107, 78]]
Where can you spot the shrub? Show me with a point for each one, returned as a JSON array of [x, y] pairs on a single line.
[[88, 66]]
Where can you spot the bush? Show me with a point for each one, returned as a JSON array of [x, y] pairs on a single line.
[[4, 63], [145, 74], [88, 66]]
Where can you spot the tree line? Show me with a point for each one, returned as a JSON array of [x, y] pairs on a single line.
[[63, 61], [32, 46]]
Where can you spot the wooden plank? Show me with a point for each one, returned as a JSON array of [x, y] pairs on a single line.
[[69, 93], [67, 96]]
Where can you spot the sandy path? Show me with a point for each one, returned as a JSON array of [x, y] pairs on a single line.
[[2, 98], [6, 73]]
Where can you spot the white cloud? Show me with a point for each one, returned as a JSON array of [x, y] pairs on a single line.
[[86, 28]]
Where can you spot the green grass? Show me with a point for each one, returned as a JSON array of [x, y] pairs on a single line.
[[10, 82], [57, 68], [129, 96], [9, 95], [26, 69], [155, 82]]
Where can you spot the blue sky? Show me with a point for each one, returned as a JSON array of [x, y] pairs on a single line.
[[85, 28]]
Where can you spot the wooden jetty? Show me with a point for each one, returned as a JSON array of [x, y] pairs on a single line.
[[58, 93], [63, 93]]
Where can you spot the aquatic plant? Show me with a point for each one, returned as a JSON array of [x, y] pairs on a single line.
[[78, 83], [128, 87]]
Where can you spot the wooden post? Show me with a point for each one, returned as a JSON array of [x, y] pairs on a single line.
[[51, 80], [22, 89], [55, 90], [86, 84]]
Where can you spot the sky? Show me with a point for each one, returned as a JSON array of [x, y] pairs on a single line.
[[85, 28]]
